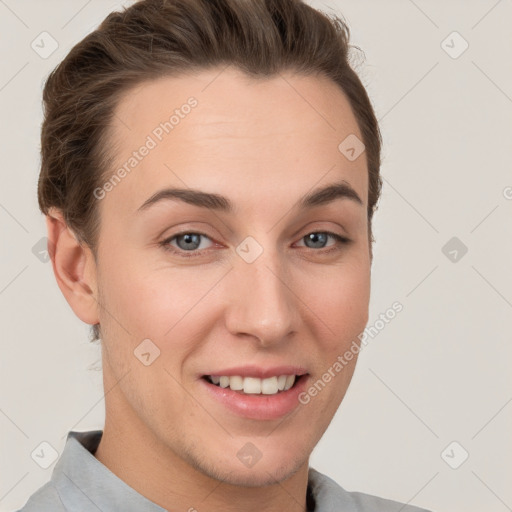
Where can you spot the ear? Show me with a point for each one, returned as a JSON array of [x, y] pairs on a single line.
[[74, 268]]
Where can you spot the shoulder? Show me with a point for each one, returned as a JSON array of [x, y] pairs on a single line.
[[330, 496], [367, 502], [45, 499]]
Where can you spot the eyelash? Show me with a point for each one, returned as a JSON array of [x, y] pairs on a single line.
[[165, 244]]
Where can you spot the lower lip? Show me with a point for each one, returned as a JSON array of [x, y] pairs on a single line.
[[258, 407]]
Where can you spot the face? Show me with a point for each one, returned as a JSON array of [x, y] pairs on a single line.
[[260, 277]]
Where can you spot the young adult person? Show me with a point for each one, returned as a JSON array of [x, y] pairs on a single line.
[[210, 169]]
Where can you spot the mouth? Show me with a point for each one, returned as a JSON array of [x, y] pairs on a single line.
[[255, 386], [255, 398]]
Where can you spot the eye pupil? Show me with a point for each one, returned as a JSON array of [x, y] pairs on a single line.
[[318, 240], [191, 241]]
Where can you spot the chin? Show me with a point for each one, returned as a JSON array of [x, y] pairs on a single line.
[[263, 472], [261, 476]]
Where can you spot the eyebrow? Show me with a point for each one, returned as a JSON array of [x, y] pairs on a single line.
[[321, 196]]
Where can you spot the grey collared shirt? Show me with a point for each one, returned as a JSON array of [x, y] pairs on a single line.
[[81, 482]]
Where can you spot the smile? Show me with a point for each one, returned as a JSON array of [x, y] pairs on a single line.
[[254, 385], [256, 398]]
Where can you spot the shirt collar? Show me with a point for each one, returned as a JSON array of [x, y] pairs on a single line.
[[84, 483]]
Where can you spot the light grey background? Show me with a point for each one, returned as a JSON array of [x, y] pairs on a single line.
[[437, 373]]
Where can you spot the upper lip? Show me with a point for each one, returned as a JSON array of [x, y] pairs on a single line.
[[259, 372]]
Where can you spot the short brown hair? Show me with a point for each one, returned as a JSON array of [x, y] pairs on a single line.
[[155, 38]]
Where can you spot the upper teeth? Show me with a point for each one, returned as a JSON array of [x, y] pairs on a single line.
[[253, 385]]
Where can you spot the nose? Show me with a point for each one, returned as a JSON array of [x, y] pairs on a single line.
[[263, 305]]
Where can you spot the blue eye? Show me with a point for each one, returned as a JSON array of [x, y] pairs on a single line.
[[185, 242], [191, 244], [318, 239], [189, 241]]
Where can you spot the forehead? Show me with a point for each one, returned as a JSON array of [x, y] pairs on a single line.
[[218, 129]]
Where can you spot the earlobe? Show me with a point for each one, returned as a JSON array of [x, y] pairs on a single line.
[[74, 268]]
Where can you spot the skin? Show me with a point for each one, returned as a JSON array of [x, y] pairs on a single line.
[[263, 144]]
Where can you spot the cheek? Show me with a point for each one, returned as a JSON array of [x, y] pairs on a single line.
[[340, 297], [341, 307], [156, 302]]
